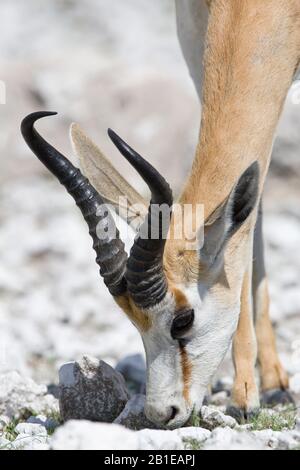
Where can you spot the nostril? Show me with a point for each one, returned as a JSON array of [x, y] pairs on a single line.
[[173, 412], [161, 416]]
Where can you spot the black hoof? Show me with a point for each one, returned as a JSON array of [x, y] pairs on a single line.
[[277, 397], [240, 414]]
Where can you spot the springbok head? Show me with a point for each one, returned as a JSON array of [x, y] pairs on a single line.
[[185, 304]]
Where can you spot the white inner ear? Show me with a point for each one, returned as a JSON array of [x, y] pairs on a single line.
[[114, 189], [216, 228]]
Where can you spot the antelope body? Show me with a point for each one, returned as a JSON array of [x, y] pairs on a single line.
[[189, 305]]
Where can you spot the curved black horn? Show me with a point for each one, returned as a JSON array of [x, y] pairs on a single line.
[[146, 281], [111, 255]]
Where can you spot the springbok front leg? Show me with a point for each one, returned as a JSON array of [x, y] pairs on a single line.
[[245, 395], [274, 379]]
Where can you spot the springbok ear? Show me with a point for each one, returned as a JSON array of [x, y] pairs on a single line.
[[107, 180], [229, 217]]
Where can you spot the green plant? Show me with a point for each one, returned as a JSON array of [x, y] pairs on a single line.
[[195, 420], [9, 431], [274, 420], [192, 444]]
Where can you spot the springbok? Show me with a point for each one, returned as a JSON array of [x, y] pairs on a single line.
[[188, 305]]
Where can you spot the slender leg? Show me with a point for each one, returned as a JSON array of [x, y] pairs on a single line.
[[245, 395], [273, 376]]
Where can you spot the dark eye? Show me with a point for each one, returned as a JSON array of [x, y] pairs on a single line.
[[182, 323]]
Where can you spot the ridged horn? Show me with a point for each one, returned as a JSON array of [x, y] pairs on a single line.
[[110, 251], [146, 280]]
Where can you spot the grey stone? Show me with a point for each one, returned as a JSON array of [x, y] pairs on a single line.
[[223, 385], [277, 396], [133, 369], [92, 390], [48, 423], [67, 375], [133, 416]]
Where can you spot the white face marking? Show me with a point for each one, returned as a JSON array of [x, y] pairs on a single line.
[[208, 342], [214, 326]]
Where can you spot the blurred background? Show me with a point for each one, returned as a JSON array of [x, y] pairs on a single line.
[[107, 64]]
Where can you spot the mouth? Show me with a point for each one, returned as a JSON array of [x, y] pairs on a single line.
[[180, 421]]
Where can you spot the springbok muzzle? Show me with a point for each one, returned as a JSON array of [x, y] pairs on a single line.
[[141, 275]]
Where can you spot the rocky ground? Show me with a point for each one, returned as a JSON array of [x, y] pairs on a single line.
[[102, 410], [76, 58]]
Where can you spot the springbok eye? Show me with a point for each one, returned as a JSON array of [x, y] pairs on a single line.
[[182, 323]]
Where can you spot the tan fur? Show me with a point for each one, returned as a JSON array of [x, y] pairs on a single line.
[[245, 392], [139, 318], [272, 374], [180, 264], [251, 56], [252, 51]]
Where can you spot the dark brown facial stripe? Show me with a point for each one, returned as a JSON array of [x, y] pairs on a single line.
[[186, 367]]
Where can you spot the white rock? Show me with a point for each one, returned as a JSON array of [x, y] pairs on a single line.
[[85, 435], [230, 439], [31, 429], [198, 434], [151, 439], [281, 440], [268, 437], [296, 436], [245, 427], [5, 444], [26, 442], [211, 418], [79, 435], [295, 383], [20, 395], [288, 441]]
